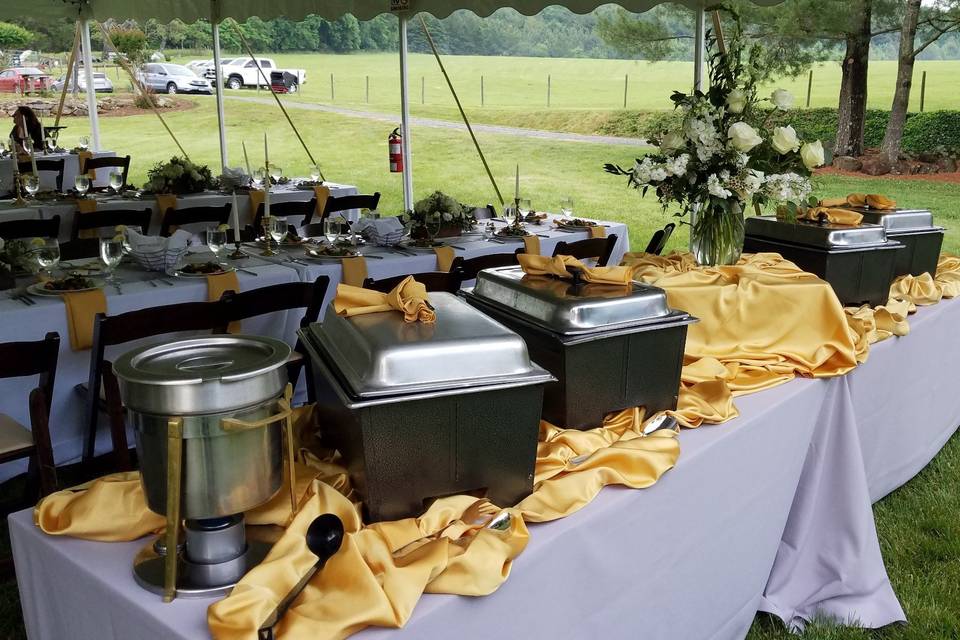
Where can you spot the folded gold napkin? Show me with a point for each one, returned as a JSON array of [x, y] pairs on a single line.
[[557, 266], [166, 201], [82, 157], [877, 201], [445, 257], [354, 270], [531, 245], [409, 297], [82, 308], [219, 284], [322, 192], [87, 205], [256, 199], [834, 215], [598, 231]]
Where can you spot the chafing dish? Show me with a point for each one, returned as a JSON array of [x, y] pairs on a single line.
[[610, 347], [857, 261], [914, 229], [208, 415], [425, 410]]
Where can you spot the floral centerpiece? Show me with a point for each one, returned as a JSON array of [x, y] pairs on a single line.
[[438, 216], [724, 156], [179, 176], [14, 255]]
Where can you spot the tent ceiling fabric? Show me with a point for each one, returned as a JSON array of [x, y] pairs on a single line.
[[192, 10]]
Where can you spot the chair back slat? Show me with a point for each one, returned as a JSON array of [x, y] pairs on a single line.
[[289, 210], [138, 218], [174, 217], [14, 229], [432, 280], [51, 165], [345, 203], [107, 162], [278, 297], [470, 268], [19, 359], [599, 248]]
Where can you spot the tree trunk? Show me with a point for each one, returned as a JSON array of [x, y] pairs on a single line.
[[901, 96], [852, 111]]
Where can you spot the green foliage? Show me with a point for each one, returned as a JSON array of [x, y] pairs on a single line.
[[131, 42], [13, 36], [932, 131], [179, 176]]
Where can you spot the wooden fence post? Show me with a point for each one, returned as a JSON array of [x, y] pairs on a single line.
[[626, 82], [548, 90], [923, 90], [809, 87]]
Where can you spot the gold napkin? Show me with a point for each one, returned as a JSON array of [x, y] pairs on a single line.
[[322, 192], [82, 309], [82, 158], [948, 275], [166, 201], [834, 215], [531, 245], [598, 231], [256, 199], [877, 201], [219, 284], [409, 297], [354, 270], [86, 205], [557, 266], [445, 257]]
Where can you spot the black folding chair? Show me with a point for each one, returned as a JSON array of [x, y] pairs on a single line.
[[138, 218], [344, 203], [193, 215], [432, 280], [30, 228], [598, 248], [45, 165], [107, 162], [659, 240]]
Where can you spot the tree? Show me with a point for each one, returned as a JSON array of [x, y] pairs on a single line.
[[14, 36], [944, 17], [131, 42]]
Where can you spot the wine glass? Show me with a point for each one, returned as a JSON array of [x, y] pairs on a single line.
[[315, 172], [259, 177], [331, 230], [278, 229], [566, 206], [31, 183], [83, 143], [525, 207], [111, 253], [217, 241], [48, 255], [275, 173], [82, 184], [116, 181]]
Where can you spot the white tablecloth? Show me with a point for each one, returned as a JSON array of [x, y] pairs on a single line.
[[48, 181], [67, 209], [770, 510]]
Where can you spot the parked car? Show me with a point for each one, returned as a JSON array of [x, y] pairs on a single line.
[[23, 80], [101, 83], [199, 67], [242, 72], [172, 78]]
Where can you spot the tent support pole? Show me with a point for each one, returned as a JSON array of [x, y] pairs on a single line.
[[405, 118], [221, 126], [699, 48], [88, 75]]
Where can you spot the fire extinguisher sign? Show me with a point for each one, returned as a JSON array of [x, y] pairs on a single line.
[[395, 151]]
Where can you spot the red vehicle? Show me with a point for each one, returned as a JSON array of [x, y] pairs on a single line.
[[23, 80]]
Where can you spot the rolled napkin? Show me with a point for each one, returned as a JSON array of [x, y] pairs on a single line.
[[409, 297], [380, 231], [156, 253], [598, 231], [445, 257], [833, 202], [877, 201], [233, 178], [82, 309], [531, 245], [557, 266], [354, 270], [219, 284], [833, 215]]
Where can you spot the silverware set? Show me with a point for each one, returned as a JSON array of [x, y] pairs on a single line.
[[23, 297]]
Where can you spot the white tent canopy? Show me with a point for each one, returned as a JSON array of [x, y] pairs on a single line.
[[217, 10]]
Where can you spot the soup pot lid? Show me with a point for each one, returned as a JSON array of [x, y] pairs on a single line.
[[224, 359]]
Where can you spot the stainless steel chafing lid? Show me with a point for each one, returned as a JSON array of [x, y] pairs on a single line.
[[899, 220], [202, 375], [563, 307], [379, 354], [812, 234]]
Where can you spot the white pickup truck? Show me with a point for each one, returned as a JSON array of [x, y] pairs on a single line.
[[242, 72]]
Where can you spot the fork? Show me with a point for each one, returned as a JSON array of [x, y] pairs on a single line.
[[479, 513]]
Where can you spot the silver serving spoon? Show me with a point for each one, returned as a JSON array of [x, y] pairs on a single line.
[[324, 537]]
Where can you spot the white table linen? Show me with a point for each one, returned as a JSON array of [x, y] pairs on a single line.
[[48, 180]]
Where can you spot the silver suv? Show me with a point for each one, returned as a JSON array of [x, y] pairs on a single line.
[[172, 78]]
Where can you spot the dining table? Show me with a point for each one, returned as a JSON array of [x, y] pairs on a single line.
[[71, 167], [66, 206]]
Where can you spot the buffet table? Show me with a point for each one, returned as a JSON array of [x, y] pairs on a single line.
[[71, 167], [66, 209], [769, 511]]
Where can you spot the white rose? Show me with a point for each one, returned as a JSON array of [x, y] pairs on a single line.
[[785, 139], [812, 154], [671, 142], [782, 99], [743, 137], [736, 101], [447, 217]]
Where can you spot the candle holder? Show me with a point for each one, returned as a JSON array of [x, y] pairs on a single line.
[[237, 254], [517, 223], [18, 189]]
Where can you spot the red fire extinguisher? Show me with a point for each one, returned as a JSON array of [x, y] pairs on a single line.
[[396, 152]]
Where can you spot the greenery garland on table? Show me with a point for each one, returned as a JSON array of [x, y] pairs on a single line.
[[438, 215], [725, 154], [179, 176]]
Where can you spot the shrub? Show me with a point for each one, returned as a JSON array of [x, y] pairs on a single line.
[[932, 131]]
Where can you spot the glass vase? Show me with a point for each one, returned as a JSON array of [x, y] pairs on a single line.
[[716, 235]]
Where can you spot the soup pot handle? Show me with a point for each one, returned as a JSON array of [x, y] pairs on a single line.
[[235, 424]]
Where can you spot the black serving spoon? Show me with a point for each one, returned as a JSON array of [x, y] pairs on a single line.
[[324, 537]]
